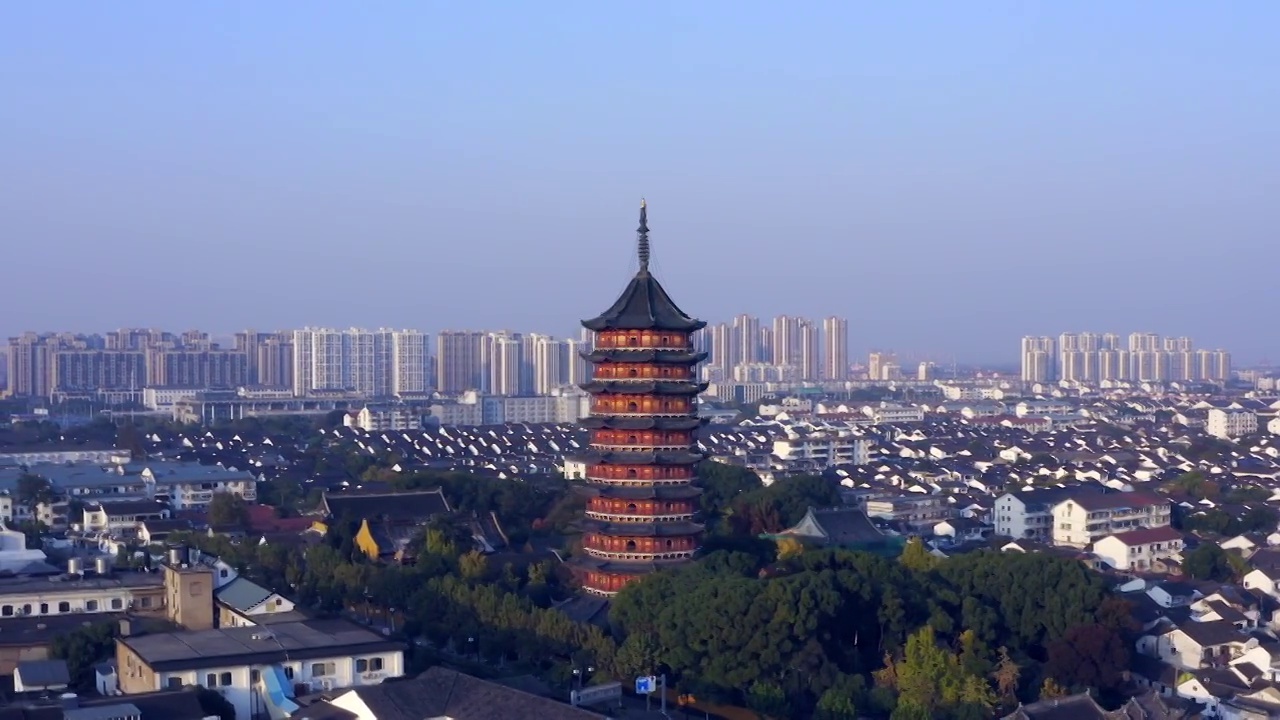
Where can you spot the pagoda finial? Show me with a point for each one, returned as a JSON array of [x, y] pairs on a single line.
[[642, 235]]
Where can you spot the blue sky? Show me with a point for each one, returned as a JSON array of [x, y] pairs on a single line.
[[948, 176]]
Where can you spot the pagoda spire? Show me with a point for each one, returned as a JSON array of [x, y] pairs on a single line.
[[642, 236]]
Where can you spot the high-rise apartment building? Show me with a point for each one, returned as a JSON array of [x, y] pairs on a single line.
[[835, 349], [746, 336], [197, 368], [724, 351], [1038, 360], [1091, 358], [377, 363], [269, 357], [810, 360], [502, 357], [410, 359], [550, 363], [459, 366]]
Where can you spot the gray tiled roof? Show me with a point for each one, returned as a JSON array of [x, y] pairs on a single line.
[[243, 594]]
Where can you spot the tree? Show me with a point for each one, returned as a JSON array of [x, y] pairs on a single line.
[[83, 647], [1207, 562], [228, 510], [915, 556], [789, 547], [1051, 689], [933, 680], [1090, 656], [841, 700], [1006, 674], [32, 489], [473, 565], [638, 655]]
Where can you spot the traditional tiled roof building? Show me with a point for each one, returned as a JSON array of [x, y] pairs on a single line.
[[642, 510]]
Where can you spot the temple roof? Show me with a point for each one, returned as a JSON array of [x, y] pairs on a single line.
[[599, 422], [675, 357], [678, 457], [652, 492], [651, 529], [643, 305], [644, 387]]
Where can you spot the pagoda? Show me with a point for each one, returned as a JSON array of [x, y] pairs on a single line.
[[642, 506]]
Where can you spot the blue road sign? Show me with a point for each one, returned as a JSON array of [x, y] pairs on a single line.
[[646, 685]]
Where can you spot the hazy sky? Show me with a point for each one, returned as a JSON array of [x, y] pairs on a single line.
[[950, 176]]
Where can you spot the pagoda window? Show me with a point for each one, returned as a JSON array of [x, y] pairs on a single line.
[[633, 372], [631, 508], [633, 407], [631, 473], [631, 545], [633, 341], [632, 439], [670, 543]]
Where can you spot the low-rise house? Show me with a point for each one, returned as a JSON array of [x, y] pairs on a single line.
[[914, 512], [1028, 514], [121, 515], [1087, 517], [244, 603], [259, 670], [1192, 645], [1140, 549]]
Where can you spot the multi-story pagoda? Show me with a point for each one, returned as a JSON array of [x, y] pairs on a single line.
[[642, 507]]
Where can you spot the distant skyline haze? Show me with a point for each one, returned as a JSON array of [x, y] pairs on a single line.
[[948, 177]]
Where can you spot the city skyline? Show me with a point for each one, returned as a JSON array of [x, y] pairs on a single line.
[[881, 163]]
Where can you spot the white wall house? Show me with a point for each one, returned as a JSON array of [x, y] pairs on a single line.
[[257, 669], [1139, 549], [824, 449], [1028, 514], [1228, 424], [1087, 517], [1193, 645]]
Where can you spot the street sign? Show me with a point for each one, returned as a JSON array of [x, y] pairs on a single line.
[[646, 685]]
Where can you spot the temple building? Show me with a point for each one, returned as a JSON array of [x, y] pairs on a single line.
[[641, 514]]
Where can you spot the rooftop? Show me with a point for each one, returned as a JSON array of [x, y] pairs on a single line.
[[643, 305], [253, 645]]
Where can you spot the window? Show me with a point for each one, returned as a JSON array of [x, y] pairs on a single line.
[[44, 608], [6, 611], [254, 676], [64, 606], [174, 683], [222, 572], [210, 680], [91, 605], [375, 664], [321, 669], [224, 679], [362, 665], [288, 671], [116, 603], [146, 602], [26, 609]]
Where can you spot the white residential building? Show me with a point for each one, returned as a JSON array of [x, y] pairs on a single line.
[[1087, 517], [823, 449], [1227, 424], [1139, 549], [1028, 514], [377, 419], [257, 668]]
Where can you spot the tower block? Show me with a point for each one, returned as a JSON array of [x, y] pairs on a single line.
[[642, 507]]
